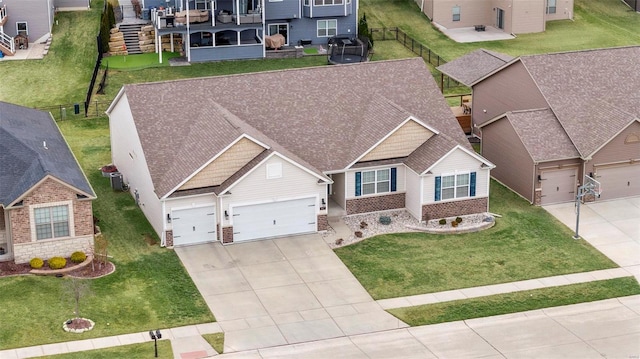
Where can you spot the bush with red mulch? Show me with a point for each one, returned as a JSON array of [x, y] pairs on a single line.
[[10, 268]]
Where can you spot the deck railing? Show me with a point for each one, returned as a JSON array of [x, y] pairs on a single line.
[[3, 14], [7, 42]]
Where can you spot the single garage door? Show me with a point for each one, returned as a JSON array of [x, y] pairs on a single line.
[[194, 225], [274, 219], [558, 185], [619, 181]]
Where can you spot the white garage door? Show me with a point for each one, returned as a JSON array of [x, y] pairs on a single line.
[[558, 185], [274, 219], [619, 181], [194, 225]]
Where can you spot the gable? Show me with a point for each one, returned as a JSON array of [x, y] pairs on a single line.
[[457, 160], [228, 163], [400, 143]]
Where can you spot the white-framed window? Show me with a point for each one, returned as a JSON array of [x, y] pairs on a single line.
[[22, 28], [203, 5], [51, 222], [274, 170], [376, 181], [306, 2], [456, 13], [282, 29], [327, 28], [275, 0], [551, 6], [327, 2], [455, 186]]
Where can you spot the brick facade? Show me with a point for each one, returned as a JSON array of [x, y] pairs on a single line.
[[375, 203], [50, 191], [168, 239], [455, 208], [323, 222], [537, 196], [227, 235]]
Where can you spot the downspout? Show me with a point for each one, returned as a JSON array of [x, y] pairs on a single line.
[[422, 7], [52, 9], [163, 239], [421, 196]]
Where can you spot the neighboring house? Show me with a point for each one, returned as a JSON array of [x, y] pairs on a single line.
[[236, 29], [45, 199], [33, 19], [245, 157], [548, 120], [514, 17]]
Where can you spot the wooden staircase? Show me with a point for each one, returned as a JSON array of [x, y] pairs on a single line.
[[131, 40], [7, 44]]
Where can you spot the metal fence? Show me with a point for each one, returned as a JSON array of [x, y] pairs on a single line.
[[70, 111], [394, 33]]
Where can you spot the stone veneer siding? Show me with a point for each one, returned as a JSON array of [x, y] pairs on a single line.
[[168, 238], [454, 208], [227, 234], [323, 222], [375, 203], [47, 248], [50, 191]]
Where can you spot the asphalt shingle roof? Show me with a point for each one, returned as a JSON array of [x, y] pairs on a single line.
[[24, 159], [473, 66], [542, 135], [323, 117], [593, 93]]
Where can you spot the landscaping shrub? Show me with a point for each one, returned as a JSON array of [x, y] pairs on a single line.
[[78, 257], [454, 224], [57, 262], [36, 263], [459, 219], [442, 222]]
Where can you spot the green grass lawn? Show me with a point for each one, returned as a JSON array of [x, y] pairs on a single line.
[[597, 24], [527, 242], [138, 62], [517, 301], [216, 340], [150, 288], [132, 351]]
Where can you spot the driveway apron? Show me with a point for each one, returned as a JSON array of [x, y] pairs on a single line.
[[282, 291]]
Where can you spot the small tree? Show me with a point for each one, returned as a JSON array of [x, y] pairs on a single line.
[[76, 289], [363, 28]]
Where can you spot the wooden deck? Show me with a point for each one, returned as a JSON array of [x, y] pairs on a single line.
[[464, 119]]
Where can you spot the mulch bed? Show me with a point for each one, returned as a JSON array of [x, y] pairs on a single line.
[[10, 268]]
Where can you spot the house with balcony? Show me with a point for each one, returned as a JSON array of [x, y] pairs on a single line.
[[240, 29], [30, 21], [510, 16]]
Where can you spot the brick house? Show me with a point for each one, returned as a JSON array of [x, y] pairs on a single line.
[[252, 156], [45, 198]]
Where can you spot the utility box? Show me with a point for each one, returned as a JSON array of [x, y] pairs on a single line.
[[117, 183]]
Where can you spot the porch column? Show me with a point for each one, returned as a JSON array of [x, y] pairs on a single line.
[[159, 45], [171, 39]]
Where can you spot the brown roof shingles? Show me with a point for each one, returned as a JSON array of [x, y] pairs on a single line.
[[474, 65], [542, 135], [593, 93], [325, 117]]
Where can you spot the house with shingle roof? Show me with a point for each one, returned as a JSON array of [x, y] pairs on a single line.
[[251, 156], [547, 121], [45, 198]]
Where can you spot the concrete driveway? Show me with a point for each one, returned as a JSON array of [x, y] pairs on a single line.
[[282, 291], [612, 227]]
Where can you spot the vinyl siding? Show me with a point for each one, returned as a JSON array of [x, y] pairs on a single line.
[[617, 150], [279, 10], [472, 12], [508, 90], [528, 16], [128, 156], [351, 180], [456, 162], [203, 54], [564, 10], [37, 13], [71, 3], [225, 165], [306, 28], [412, 198], [401, 143], [256, 188], [514, 166]]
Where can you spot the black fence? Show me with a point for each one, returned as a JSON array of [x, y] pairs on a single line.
[[394, 33], [70, 111], [94, 76]]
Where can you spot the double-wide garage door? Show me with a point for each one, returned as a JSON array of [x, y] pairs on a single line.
[[558, 185], [194, 225], [619, 181], [274, 219]]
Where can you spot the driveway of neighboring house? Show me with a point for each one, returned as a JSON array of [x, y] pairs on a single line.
[[282, 291], [612, 227]]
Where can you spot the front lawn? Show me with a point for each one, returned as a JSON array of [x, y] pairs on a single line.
[[132, 351], [526, 243], [150, 288], [517, 301]]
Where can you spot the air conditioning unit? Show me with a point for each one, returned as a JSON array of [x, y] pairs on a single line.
[[117, 184]]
